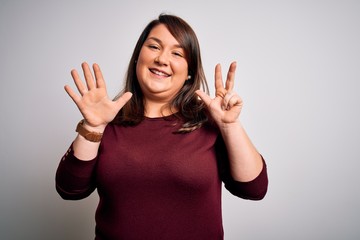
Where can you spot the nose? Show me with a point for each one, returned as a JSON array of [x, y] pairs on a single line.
[[162, 59]]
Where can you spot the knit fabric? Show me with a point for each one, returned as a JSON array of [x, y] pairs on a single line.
[[154, 183]]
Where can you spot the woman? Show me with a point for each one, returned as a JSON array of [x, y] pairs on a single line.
[[158, 153]]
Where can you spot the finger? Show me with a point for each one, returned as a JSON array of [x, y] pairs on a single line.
[[100, 83], [88, 76], [76, 98], [220, 91], [218, 77], [204, 97], [121, 101], [232, 100], [235, 101], [79, 84], [227, 98], [231, 77]]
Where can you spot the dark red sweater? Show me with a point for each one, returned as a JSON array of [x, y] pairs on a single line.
[[155, 184]]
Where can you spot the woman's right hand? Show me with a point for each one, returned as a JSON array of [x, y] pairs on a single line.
[[93, 102]]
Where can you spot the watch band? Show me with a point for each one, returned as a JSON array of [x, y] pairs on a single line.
[[90, 136]]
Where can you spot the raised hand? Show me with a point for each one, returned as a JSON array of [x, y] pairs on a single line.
[[225, 108], [93, 102]]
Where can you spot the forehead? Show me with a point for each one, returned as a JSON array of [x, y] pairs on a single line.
[[161, 33]]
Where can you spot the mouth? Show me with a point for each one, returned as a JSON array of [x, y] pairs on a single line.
[[159, 73]]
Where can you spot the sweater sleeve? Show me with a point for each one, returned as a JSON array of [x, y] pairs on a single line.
[[252, 190], [75, 178]]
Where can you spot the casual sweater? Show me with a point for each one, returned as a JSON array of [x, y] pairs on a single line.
[[154, 183]]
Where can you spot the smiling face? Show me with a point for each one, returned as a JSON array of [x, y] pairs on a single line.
[[161, 68]]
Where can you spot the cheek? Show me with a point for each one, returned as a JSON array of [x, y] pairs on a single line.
[[140, 64], [182, 69], [144, 56]]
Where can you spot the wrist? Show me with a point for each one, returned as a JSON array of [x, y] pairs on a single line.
[[229, 130], [230, 126], [98, 129], [92, 134]]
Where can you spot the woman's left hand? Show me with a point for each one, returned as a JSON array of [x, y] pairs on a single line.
[[225, 108]]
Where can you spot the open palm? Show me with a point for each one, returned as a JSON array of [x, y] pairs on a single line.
[[93, 102]]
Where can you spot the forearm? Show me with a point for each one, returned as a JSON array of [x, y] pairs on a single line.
[[84, 149], [245, 161], [74, 175], [74, 178]]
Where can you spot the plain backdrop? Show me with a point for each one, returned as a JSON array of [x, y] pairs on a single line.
[[298, 74]]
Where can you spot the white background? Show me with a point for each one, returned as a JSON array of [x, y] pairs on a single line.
[[298, 73]]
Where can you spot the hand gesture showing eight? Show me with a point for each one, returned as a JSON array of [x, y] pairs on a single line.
[[93, 102], [98, 109], [225, 108]]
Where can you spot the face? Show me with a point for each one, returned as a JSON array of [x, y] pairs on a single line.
[[161, 67]]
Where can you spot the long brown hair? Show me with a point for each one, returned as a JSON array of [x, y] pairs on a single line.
[[191, 110]]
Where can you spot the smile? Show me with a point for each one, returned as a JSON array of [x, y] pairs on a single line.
[[159, 73]]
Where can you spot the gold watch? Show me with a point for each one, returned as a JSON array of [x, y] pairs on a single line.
[[90, 136]]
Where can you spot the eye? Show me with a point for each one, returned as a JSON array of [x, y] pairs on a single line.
[[178, 54], [152, 46]]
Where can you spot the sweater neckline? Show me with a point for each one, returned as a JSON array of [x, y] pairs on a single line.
[[162, 118]]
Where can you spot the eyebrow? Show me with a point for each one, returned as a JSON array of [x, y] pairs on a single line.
[[160, 42]]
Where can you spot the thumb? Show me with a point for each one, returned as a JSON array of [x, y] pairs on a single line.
[[206, 98], [123, 99]]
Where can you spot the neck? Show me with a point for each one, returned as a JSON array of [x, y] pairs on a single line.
[[157, 109]]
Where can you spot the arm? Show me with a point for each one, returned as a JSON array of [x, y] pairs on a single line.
[[73, 177], [254, 189], [245, 163]]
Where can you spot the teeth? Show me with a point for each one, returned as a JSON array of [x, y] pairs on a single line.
[[159, 73]]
